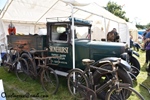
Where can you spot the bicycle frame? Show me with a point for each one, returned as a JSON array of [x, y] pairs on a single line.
[[113, 72], [84, 82], [41, 61], [13, 54]]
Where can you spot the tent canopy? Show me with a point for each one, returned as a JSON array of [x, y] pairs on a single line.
[[30, 15], [34, 11]]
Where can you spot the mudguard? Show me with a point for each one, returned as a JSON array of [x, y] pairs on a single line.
[[27, 53], [131, 52], [136, 53], [125, 56], [123, 64]]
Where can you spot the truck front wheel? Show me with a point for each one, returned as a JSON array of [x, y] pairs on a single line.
[[135, 66]]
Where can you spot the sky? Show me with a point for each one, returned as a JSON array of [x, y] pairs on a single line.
[[2, 3], [136, 10]]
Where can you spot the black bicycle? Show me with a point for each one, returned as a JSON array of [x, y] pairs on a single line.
[[39, 67], [80, 81], [12, 62]]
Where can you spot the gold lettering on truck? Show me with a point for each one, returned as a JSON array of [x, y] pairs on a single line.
[[58, 49]]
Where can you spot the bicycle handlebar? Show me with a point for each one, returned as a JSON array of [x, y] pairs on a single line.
[[116, 62], [35, 51], [20, 46]]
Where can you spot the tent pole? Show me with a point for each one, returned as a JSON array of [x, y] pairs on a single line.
[[34, 27], [105, 28], [73, 44], [118, 30]]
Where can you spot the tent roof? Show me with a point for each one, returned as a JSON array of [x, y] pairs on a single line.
[[131, 26], [33, 11]]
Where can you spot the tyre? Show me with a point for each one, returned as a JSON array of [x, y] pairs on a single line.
[[117, 93], [6, 62], [21, 67], [100, 78], [135, 66], [74, 78], [31, 65], [49, 80]]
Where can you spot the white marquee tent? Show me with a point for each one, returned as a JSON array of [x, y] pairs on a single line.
[[30, 15], [133, 31]]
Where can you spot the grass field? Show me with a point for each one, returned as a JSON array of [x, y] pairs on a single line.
[[14, 87]]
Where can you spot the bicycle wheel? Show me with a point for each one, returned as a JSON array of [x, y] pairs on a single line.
[[31, 65], [118, 93], [101, 77], [74, 78], [6, 61], [21, 69], [49, 80]]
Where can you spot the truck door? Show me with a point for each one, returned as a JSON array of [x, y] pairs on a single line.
[[59, 43]]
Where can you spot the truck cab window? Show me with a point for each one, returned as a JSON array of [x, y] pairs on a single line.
[[59, 33], [81, 32]]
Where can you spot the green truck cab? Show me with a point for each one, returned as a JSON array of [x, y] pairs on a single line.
[[60, 44]]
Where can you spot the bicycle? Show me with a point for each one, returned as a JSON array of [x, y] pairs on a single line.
[[12, 62], [79, 81], [39, 67]]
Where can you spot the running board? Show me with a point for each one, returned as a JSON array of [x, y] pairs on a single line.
[[61, 73]]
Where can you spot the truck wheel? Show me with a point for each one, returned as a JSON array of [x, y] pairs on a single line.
[[101, 78], [135, 66]]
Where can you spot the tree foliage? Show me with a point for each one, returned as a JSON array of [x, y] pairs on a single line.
[[116, 10], [148, 25], [143, 26]]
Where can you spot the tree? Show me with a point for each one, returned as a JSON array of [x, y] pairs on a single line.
[[141, 26], [148, 25], [116, 10]]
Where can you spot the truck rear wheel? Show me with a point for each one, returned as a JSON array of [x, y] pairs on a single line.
[[101, 78]]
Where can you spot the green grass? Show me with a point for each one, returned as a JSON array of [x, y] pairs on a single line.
[[13, 86], [142, 77]]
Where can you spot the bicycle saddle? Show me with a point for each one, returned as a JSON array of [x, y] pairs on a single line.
[[87, 61]]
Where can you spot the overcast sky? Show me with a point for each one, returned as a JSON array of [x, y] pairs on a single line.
[[2, 3], [136, 10]]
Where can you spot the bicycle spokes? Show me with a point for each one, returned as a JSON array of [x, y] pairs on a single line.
[[49, 81]]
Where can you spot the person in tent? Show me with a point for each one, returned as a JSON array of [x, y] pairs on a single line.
[[110, 36], [116, 35], [11, 29]]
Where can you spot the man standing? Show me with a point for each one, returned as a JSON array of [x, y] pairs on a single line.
[[147, 48], [116, 35], [11, 29]]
